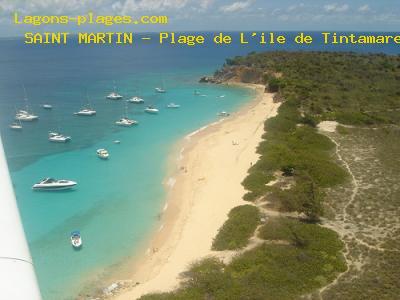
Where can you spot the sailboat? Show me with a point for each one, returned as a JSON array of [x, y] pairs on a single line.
[[125, 121], [25, 115], [114, 95], [16, 125], [86, 110], [160, 89]]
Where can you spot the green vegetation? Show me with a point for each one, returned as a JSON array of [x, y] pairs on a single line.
[[357, 89], [298, 152], [270, 271], [296, 256], [238, 229]]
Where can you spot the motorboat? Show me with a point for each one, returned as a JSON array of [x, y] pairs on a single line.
[[151, 110], [25, 116], [126, 122], [223, 114], [136, 100], [58, 138], [51, 184], [160, 90], [16, 126], [114, 96], [85, 112], [102, 153], [76, 239], [173, 105], [117, 142], [47, 106]]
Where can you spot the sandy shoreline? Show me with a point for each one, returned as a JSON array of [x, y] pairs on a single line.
[[204, 188]]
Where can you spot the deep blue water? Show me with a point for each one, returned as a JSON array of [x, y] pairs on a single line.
[[116, 200]]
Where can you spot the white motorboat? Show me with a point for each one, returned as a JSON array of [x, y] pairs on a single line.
[[223, 114], [160, 90], [25, 116], [51, 184], [85, 112], [173, 105], [58, 138], [126, 122], [151, 110], [47, 106], [136, 100], [16, 125], [102, 153], [76, 240]]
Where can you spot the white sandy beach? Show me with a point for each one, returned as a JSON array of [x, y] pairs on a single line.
[[208, 185]]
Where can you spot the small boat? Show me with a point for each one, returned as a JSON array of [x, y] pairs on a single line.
[[51, 184], [114, 96], [173, 105], [151, 110], [126, 122], [102, 153], [25, 116], [223, 114], [85, 112], [16, 126], [58, 138], [136, 100], [160, 90], [76, 239], [117, 142], [47, 106]]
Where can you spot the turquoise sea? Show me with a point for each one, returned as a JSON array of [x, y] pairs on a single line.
[[117, 202]]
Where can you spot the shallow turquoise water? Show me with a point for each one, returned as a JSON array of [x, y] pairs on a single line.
[[116, 203]]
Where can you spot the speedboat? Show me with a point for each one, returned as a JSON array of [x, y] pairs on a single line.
[[173, 105], [76, 239], [25, 116], [16, 126], [47, 106], [102, 153], [114, 96], [160, 90], [51, 184], [58, 138], [151, 110], [126, 122], [85, 112], [135, 100], [223, 114]]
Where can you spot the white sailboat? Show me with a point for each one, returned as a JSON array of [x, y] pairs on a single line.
[[136, 100], [25, 115], [86, 110], [16, 125], [114, 95], [125, 121]]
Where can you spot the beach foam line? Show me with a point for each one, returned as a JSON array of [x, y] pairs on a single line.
[[171, 182], [190, 135]]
